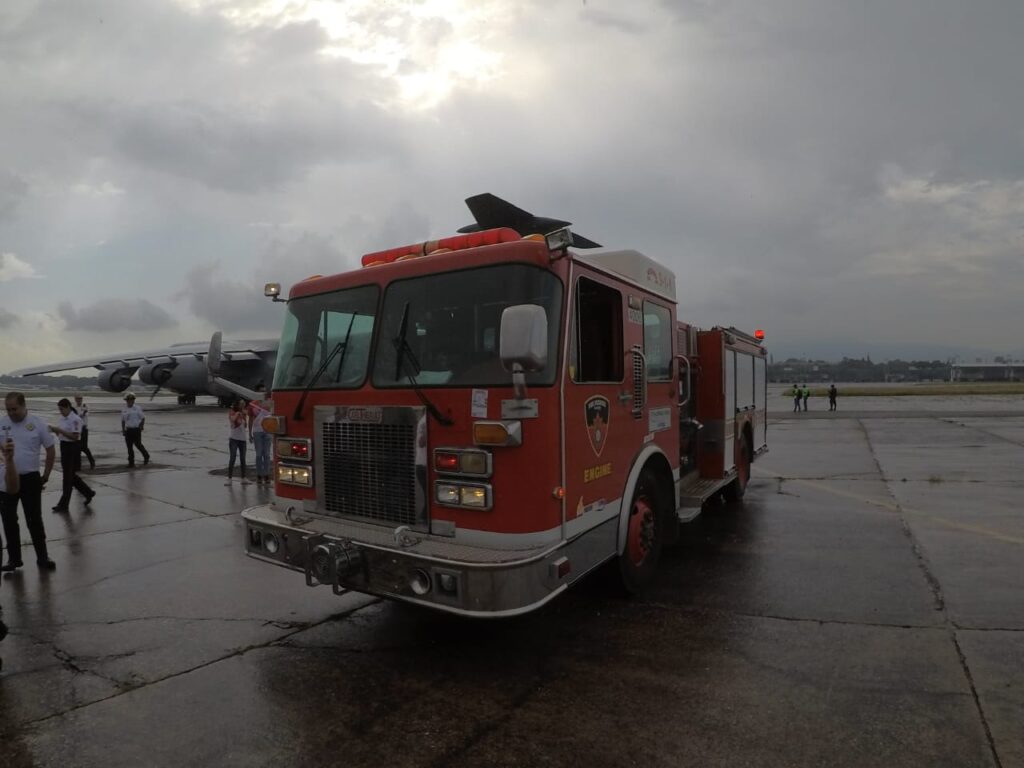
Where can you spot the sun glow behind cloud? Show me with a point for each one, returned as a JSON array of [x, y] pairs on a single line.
[[427, 47]]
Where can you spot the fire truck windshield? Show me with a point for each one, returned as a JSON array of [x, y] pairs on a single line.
[[317, 326], [453, 324]]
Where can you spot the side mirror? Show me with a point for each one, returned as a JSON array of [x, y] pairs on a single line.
[[524, 337]]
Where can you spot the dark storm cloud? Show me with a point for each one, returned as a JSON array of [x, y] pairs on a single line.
[[233, 300], [228, 148], [230, 303], [115, 315], [238, 109], [7, 319]]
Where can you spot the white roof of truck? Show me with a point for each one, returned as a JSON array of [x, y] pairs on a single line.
[[635, 267]]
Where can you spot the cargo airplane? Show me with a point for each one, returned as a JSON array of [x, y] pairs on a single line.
[[182, 368]]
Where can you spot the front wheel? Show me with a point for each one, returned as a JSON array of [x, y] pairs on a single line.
[[644, 535], [734, 491]]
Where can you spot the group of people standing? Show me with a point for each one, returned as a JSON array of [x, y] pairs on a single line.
[[246, 420], [802, 392]]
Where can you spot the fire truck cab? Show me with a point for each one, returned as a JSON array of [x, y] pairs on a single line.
[[476, 423]]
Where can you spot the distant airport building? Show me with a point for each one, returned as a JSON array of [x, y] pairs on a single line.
[[986, 372]]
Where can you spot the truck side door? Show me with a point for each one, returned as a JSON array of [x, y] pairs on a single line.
[[602, 435]]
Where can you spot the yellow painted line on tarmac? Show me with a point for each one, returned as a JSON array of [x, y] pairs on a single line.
[[893, 507]]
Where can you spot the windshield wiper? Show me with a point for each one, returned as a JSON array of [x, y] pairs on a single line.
[[341, 346], [404, 358]]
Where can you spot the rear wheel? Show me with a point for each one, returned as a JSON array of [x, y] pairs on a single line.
[[734, 491], [644, 534]]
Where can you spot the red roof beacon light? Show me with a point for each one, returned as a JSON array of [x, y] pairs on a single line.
[[759, 334]]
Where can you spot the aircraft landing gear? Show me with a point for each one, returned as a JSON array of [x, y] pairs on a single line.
[[186, 399]]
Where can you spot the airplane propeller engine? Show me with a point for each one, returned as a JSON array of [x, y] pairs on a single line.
[[157, 374], [116, 379]]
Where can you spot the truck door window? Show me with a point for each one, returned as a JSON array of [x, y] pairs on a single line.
[[658, 342], [597, 333]]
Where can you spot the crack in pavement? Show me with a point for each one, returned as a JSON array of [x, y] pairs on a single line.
[[233, 654], [279, 623], [67, 661], [940, 602], [987, 433]]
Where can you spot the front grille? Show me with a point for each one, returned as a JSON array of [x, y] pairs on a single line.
[[369, 469]]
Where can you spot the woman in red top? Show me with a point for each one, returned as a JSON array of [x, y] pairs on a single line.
[[237, 424]]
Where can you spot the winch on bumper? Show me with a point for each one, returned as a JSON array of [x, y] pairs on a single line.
[[412, 566]]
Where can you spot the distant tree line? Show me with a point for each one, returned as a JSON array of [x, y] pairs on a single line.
[[70, 383], [799, 371]]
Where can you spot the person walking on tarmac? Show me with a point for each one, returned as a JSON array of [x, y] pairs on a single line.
[[796, 398], [133, 420], [68, 430], [832, 393], [29, 433], [807, 393], [8, 492], [83, 411]]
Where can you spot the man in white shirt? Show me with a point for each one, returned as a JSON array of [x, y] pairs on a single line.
[[132, 422], [83, 412], [8, 487], [68, 429], [29, 433]]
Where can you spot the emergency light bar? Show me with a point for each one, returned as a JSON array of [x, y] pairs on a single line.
[[454, 243]]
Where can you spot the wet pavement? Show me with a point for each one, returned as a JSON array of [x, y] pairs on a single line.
[[864, 606]]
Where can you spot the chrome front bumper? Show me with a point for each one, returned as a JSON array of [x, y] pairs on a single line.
[[468, 581]]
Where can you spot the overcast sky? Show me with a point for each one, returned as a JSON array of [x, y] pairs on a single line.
[[848, 176]]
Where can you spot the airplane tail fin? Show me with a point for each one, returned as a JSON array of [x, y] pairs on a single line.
[[490, 212]]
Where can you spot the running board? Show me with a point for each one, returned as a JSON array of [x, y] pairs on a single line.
[[694, 493]]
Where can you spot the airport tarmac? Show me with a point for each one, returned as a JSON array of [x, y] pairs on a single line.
[[864, 606]]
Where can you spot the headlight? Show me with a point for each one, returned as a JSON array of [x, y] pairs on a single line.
[[287, 473], [447, 494], [473, 496]]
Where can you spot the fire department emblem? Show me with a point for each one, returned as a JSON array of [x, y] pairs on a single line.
[[598, 413]]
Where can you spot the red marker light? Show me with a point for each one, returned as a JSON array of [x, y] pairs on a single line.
[[446, 462], [759, 334]]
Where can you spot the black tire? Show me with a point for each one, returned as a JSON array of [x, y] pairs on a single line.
[[645, 534], [735, 490]]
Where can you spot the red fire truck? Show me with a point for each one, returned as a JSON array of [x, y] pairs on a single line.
[[473, 424]]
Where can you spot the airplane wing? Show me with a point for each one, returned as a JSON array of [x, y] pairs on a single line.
[[181, 368], [231, 350]]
